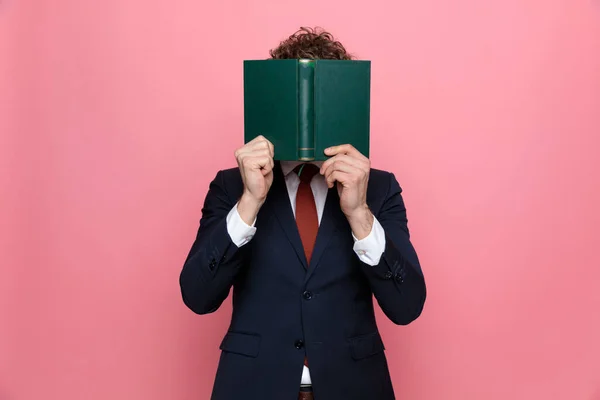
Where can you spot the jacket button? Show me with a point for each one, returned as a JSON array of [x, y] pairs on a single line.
[[307, 295], [399, 278], [388, 274], [299, 344], [212, 265]]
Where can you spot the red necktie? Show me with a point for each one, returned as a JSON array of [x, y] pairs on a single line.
[[306, 211]]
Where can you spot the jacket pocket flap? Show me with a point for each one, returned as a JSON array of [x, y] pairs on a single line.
[[366, 345], [246, 344]]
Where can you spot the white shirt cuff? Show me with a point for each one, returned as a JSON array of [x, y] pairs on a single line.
[[239, 232], [371, 248]]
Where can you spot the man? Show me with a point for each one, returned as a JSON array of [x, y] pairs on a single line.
[[305, 247]]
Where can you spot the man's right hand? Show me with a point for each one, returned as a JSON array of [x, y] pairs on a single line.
[[255, 160]]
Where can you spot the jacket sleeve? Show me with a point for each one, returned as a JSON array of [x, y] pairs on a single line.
[[214, 260], [397, 281]]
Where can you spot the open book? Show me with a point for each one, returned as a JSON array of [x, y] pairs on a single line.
[[306, 106]]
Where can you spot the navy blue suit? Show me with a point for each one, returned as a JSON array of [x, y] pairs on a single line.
[[284, 309]]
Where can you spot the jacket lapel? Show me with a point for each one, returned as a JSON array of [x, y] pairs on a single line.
[[283, 210], [332, 216]]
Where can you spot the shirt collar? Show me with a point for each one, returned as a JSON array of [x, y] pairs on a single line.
[[288, 166]]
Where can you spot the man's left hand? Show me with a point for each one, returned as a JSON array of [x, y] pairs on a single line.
[[349, 169]]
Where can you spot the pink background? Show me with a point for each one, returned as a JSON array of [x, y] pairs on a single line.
[[115, 115]]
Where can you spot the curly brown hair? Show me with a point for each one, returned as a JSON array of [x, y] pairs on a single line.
[[312, 43]]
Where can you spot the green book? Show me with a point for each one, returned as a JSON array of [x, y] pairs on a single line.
[[306, 106]]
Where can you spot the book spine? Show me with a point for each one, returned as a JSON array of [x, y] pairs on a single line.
[[306, 115]]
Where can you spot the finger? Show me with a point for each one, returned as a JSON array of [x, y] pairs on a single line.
[[247, 146], [340, 165], [337, 176], [343, 149], [257, 139], [269, 167], [343, 167], [264, 152], [266, 144], [263, 144], [259, 142], [245, 149], [258, 162], [358, 163], [256, 146], [266, 171]]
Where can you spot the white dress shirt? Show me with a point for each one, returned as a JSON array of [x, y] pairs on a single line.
[[369, 250]]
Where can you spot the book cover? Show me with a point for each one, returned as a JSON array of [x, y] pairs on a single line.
[[305, 106]]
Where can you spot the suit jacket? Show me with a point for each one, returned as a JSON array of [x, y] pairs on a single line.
[[285, 309]]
